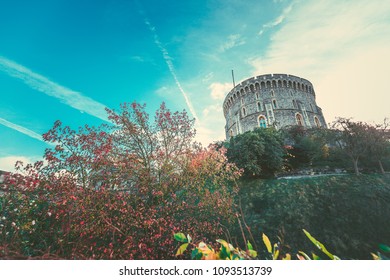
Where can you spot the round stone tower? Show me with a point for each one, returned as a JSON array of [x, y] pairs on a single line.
[[277, 100]]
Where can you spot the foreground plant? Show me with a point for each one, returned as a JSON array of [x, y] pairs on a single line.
[[274, 250], [302, 255], [226, 251], [203, 251]]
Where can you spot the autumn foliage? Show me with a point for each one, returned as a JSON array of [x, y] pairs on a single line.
[[117, 191]]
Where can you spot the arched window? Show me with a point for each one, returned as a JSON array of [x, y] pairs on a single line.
[[285, 83], [274, 104], [279, 83], [262, 85], [268, 84], [257, 95], [274, 83], [262, 122], [243, 112], [272, 93], [317, 122], [251, 87], [257, 86], [259, 107], [299, 119]]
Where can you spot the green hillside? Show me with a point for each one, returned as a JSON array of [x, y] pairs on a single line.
[[349, 214]]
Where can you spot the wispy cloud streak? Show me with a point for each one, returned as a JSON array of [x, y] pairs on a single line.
[[21, 129], [40, 83], [171, 68], [278, 20], [233, 40]]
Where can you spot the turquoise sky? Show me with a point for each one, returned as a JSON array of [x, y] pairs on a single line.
[[69, 59]]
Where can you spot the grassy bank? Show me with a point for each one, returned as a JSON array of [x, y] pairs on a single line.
[[349, 214]]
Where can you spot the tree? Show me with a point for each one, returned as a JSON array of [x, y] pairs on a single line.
[[352, 138], [259, 152], [120, 191], [156, 153], [307, 147], [246, 150], [85, 154], [379, 145]]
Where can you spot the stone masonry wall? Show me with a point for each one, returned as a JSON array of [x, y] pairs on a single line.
[[278, 100]]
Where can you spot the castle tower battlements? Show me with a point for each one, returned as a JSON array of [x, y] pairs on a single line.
[[277, 100]]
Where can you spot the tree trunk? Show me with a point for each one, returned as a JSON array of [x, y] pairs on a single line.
[[355, 166], [381, 167]]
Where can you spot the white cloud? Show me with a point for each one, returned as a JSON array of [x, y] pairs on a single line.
[[207, 134], [233, 40], [341, 47], [208, 77], [213, 124], [65, 95], [21, 129], [357, 87], [216, 108], [8, 163], [163, 91], [219, 90], [137, 58], [277, 20]]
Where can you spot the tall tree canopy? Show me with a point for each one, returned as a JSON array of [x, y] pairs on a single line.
[[260, 152]]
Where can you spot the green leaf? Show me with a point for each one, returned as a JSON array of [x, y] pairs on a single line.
[[315, 257], [250, 247], [252, 253], [225, 249], [181, 249], [384, 248], [180, 237], [320, 246], [196, 254], [267, 243]]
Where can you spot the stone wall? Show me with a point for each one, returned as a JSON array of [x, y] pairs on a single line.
[[271, 100]]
